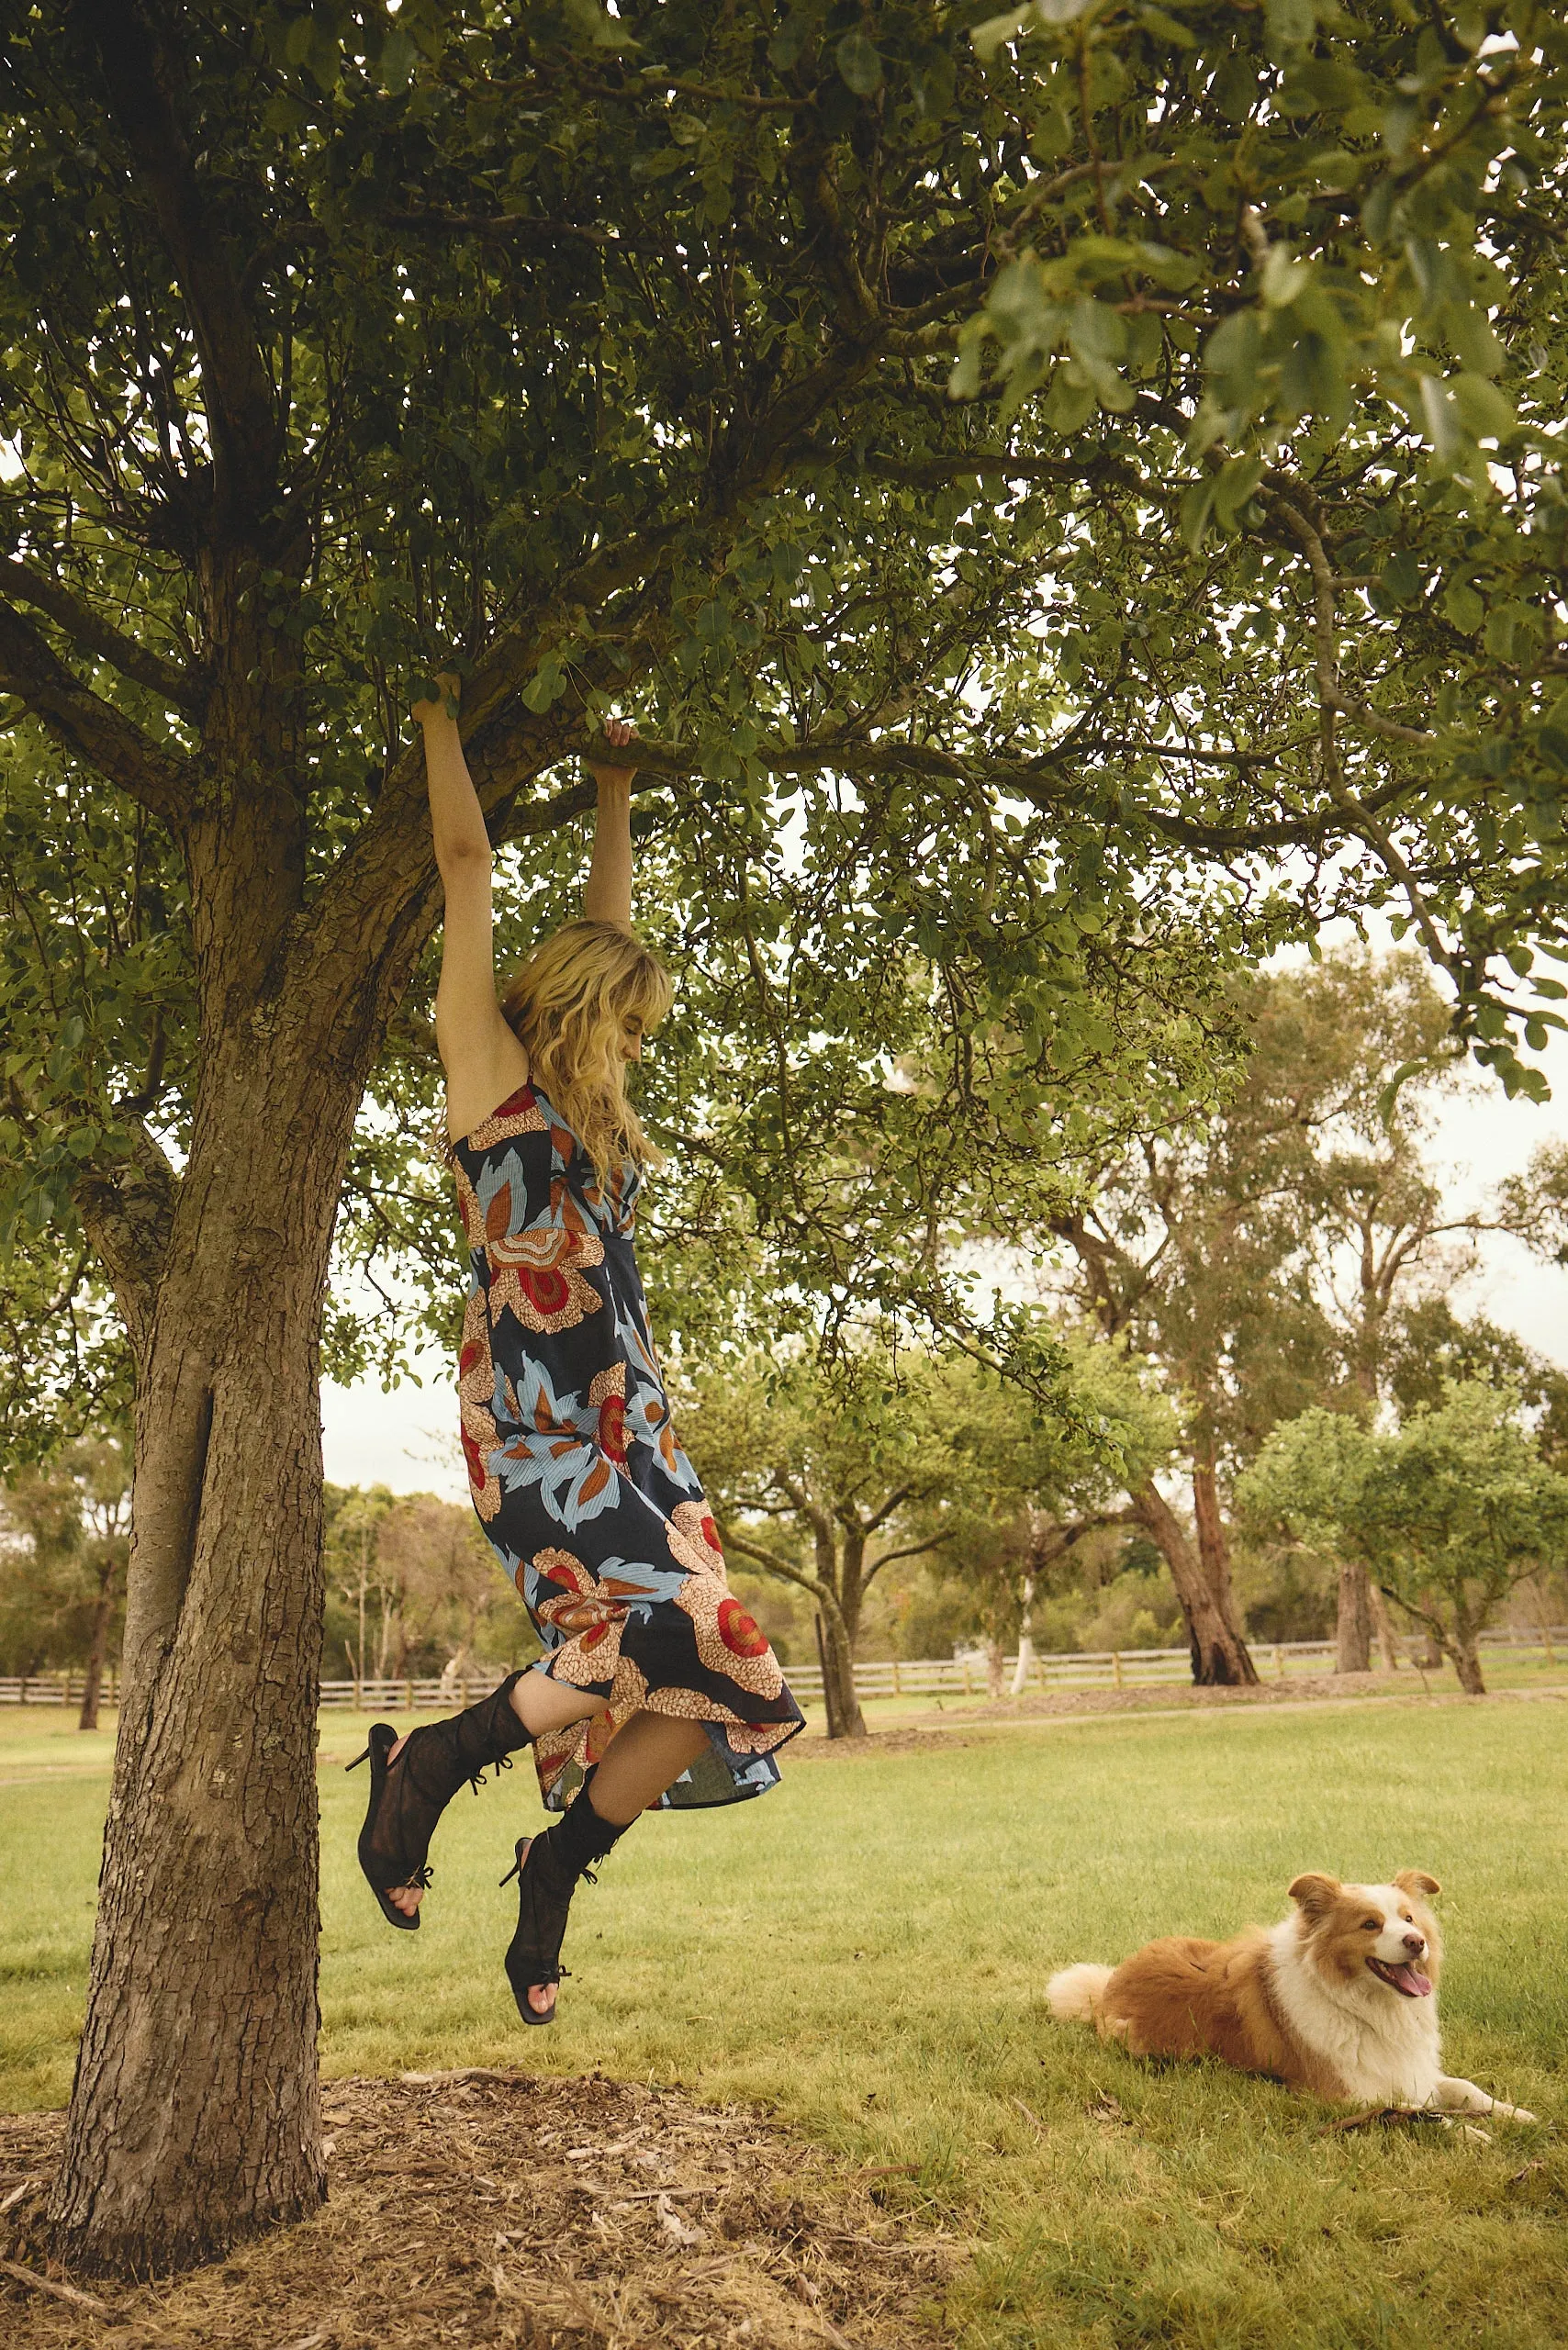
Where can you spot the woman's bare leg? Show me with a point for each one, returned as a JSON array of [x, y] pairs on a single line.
[[645, 1756]]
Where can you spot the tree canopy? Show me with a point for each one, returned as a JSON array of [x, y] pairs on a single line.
[[612, 356]]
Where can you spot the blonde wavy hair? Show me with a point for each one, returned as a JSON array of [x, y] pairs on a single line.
[[567, 1005]]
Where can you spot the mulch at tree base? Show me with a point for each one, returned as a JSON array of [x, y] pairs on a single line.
[[531, 2212]]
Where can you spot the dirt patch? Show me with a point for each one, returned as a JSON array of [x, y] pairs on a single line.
[[1301, 1688], [500, 2209]]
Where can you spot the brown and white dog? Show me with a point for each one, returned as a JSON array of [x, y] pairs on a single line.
[[1338, 1999]]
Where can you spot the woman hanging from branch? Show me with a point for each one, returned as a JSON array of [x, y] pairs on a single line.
[[655, 1687]]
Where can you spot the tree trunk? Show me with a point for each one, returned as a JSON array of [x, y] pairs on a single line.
[[1219, 1653], [830, 1690], [1353, 1646], [995, 1668], [1025, 1663], [1467, 1665], [844, 1715], [97, 1647], [194, 2117], [1387, 1637]]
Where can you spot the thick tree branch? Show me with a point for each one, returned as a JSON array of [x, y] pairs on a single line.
[[98, 733], [141, 77], [783, 1568], [128, 1217], [90, 633]]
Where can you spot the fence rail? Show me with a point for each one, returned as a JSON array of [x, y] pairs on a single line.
[[964, 1676]]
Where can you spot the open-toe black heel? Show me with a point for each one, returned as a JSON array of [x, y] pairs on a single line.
[[408, 1797], [547, 1869], [375, 1861]]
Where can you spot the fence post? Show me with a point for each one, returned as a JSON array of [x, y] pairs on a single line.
[[409, 1695], [1116, 1668], [23, 1698], [969, 1685], [898, 1685], [1279, 1662]]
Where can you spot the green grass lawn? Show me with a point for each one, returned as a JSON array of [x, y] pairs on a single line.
[[867, 1949]]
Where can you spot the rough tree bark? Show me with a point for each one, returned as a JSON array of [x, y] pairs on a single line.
[[1352, 1651], [1220, 1657]]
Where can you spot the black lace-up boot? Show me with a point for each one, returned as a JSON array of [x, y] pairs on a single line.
[[548, 1869], [406, 1799]]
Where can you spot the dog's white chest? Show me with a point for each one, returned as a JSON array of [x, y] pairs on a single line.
[[1385, 2052]]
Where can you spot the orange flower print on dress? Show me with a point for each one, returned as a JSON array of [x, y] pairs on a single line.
[[740, 1630], [693, 1539], [583, 1612], [479, 1436], [606, 1397], [728, 1638], [535, 1274], [519, 1114]]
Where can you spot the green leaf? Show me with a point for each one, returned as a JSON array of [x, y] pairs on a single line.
[[1464, 607], [1290, 24], [1482, 410], [860, 65], [989, 37], [397, 62], [1234, 485], [1196, 510]]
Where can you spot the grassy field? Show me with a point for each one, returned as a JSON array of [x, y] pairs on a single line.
[[867, 1949]]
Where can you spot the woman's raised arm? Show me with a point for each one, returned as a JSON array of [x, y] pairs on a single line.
[[483, 1060], [608, 894]]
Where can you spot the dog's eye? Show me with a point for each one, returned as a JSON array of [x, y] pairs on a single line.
[[1372, 1925]]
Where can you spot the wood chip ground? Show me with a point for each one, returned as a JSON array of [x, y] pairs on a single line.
[[525, 2212]]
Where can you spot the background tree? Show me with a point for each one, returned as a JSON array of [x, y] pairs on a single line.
[[1262, 1256], [64, 1542], [608, 349], [1036, 1485], [1452, 1511], [816, 1471]]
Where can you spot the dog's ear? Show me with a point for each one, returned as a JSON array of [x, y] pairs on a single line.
[[1314, 1893], [1416, 1881]]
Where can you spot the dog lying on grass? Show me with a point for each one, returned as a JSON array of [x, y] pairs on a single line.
[[1338, 1999]]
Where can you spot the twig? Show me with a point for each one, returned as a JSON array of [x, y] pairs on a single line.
[[62, 2292], [1385, 2113], [1029, 2116]]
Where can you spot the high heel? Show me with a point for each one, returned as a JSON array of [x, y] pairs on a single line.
[[375, 1863], [547, 1869], [408, 1797]]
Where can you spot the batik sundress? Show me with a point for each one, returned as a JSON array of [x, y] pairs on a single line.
[[594, 1510]]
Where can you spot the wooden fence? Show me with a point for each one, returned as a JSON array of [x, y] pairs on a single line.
[[942, 1676]]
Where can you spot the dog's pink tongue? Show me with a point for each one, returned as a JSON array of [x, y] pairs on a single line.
[[1419, 1986]]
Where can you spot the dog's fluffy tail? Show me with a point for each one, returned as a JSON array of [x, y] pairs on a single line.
[[1075, 1994]]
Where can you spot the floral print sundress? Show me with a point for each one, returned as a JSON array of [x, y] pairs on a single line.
[[594, 1510]]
